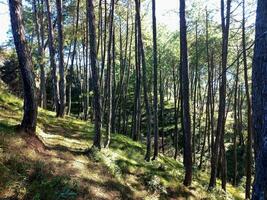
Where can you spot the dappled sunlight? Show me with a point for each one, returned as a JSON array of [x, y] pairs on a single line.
[[58, 141], [117, 172]]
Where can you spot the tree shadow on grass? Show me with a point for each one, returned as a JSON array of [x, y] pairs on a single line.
[[6, 128]]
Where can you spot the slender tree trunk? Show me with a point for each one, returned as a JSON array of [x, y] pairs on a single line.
[[161, 97], [144, 77], [109, 75], [175, 113], [39, 32], [235, 123], [155, 83], [220, 122], [93, 56], [71, 74], [185, 100], [61, 60], [29, 120], [249, 122], [52, 56], [195, 94]]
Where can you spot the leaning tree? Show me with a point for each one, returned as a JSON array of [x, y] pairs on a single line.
[[28, 123]]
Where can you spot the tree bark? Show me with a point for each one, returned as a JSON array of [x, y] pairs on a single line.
[[40, 58], [52, 56], [144, 77], [259, 102], [185, 100], [155, 83], [109, 82], [221, 114], [93, 56], [29, 120], [61, 60]]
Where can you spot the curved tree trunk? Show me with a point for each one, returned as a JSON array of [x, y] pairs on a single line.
[[29, 120]]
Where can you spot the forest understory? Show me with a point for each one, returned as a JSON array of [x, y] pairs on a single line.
[[56, 163]]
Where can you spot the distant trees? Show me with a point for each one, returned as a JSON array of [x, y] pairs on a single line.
[[259, 102], [131, 80], [29, 120]]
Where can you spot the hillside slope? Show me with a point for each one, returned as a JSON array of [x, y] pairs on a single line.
[[56, 168]]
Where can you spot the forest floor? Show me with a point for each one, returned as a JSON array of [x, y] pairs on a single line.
[[53, 165]]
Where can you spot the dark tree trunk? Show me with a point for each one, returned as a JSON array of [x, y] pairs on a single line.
[[29, 120], [161, 97], [175, 90], [144, 77], [194, 96], [93, 56], [221, 114], [71, 72], [249, 129], [40, 58], [155, 84], [185, 100], [259, 102], [109, 76], [52, 57], [236, 124], [136, 112], [61, 60]]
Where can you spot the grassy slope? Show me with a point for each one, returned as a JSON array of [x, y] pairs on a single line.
[[29, 170]]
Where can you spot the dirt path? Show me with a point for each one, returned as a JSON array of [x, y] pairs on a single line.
[[94, 180]]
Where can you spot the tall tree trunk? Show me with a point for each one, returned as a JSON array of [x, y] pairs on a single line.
[[29, 120], [161, 97], [40, 58], [221, 114], [185, 100], [195, 94], [236, 124], [249, 128], [61, 60], [143, 59], [137, 96], [175, 89], [259, 102], [155, 83], [93, 56], [109, 75], [71, 73], [52, 57]]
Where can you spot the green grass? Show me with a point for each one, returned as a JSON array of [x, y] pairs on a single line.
[[159, 179]]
